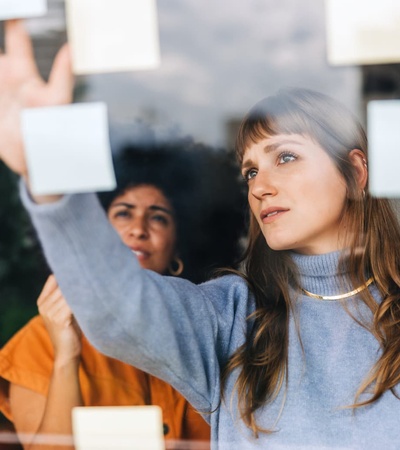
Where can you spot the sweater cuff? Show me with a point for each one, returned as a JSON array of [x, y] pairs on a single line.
[[32, 207]]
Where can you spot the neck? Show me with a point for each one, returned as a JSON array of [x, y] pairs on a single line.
[[322, 274]]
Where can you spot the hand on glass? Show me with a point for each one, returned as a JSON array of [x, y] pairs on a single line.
[[21, 86]]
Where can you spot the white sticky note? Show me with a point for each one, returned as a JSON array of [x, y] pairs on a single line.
[[113, 35], [118, 428], [68, 148], [363, 31], [20, 9], [384, 147]]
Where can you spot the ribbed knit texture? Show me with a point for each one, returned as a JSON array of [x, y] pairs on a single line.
[[185, 333]]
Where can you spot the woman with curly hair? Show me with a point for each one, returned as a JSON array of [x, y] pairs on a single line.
[[162, 212], [301, 348]]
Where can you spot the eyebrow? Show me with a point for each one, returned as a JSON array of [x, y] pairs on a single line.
[[269, 149], [152, 207]]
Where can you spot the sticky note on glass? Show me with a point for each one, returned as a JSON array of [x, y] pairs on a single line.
[[118, 428], [20, 9], [384, 147], [363, 31], [113, 35], [68, 148]]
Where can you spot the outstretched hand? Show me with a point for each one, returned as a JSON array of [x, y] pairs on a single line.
[[61, 325], [21, 86]]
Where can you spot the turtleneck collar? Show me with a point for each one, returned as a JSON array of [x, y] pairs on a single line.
[[314, 265], [319, 274]]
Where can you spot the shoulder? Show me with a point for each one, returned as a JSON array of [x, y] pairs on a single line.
[[231, 289], [224, 289], [33, 332], [228, 283], [27, 358], [220, 302], [232, 286], [230, 300]]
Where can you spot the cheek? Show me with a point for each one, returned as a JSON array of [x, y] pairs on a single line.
[[329, 200], [336, 192], [165, 252], [165, 243], [121, 229]]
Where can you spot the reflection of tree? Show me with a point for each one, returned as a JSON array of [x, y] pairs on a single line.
[[22, 268]]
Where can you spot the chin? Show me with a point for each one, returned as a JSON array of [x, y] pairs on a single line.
[[279, 245], [281, 240]]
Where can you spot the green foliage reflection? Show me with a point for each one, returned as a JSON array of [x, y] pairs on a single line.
[[22, 267]]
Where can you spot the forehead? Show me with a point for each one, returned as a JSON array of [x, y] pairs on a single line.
[[143, 195], [273, 143]]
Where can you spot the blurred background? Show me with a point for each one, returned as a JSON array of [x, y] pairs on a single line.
[[218, 58]]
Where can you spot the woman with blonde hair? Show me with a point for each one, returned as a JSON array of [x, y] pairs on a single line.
[[299, 351]]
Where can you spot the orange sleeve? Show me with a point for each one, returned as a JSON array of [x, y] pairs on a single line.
[[194, 426], [27, 360], [180, 420]]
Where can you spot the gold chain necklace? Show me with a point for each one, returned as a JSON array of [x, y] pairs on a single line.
[[341, 296]]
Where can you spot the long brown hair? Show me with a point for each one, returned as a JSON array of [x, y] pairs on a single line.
[[373, 233]]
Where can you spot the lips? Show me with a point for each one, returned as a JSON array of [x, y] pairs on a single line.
[[140, 253], [270, 214]]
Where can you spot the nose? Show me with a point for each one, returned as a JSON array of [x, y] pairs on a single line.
[[138, 228], [262, 186]]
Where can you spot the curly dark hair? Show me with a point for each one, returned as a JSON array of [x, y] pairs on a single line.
[[205, 189]]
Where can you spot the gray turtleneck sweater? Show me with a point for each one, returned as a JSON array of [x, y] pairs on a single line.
[[184, 334]]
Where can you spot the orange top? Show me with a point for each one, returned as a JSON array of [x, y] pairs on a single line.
[[27, 360]]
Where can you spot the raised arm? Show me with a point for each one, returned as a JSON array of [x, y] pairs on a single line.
[[43, 423], [21, 86], [166, 326]]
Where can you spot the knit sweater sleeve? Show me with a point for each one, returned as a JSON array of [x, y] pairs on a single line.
[[166, 326]]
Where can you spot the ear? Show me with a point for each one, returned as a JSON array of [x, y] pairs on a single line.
[[359, 161]]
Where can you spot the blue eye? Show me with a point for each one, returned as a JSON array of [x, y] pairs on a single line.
[[249, 174], [286, 157]]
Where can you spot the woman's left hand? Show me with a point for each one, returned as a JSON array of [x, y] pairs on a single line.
[[61, 325]]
